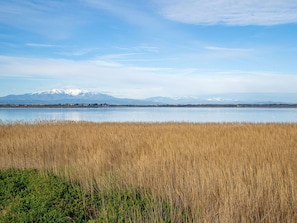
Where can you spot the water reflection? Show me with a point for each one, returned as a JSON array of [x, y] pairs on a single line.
[[150, 114]]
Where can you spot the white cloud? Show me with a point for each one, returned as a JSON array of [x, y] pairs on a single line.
[[215, 52], [135, 13], [39, 45], [76, 52], [117, 56], [150, 49], [229, 12], [224, 49], [141, 82]]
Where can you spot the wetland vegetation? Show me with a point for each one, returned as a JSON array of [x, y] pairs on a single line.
[[148, 172]]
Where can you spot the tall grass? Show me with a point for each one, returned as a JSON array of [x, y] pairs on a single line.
[[220, 172]]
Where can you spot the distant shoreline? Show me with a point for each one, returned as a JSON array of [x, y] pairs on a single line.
[[273, 105]]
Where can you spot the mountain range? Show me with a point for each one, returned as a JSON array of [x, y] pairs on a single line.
[[77, 96]]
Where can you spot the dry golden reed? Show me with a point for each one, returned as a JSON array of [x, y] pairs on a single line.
[[231, 172]]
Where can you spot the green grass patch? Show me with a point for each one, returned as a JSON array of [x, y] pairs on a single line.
[[34, 196]]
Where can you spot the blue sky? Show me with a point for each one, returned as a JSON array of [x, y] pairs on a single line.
[[145, 48]]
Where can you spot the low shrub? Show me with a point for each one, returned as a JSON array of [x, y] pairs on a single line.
[[36, 196]]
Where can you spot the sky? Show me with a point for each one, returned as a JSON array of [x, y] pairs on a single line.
[[146, 48]]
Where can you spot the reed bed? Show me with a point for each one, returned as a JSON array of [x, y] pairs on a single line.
[[230, 172]]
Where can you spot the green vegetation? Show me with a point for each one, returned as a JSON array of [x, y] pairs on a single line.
[[31, 196], [149, 172], [35, 196]]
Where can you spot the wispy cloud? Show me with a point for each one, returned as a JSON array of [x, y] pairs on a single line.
[[76, 52], [39, 45], [142, 48], [142, 52], [135, 13], [225, 52], [117, 56], [229, 12], [151, 49], [117, 78], [220, 49]]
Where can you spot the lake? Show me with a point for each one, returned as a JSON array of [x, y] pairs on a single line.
[[151, 114]]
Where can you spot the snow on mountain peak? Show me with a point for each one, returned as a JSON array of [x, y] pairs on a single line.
[[72, 92]]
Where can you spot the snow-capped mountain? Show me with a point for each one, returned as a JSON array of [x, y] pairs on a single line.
[[73, 92], [78, 96], [191, 100], [66, 96]]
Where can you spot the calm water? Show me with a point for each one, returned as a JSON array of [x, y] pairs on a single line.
[[150, 114]]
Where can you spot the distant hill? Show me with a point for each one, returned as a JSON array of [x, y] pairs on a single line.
[[70, 96], [77, 96]]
